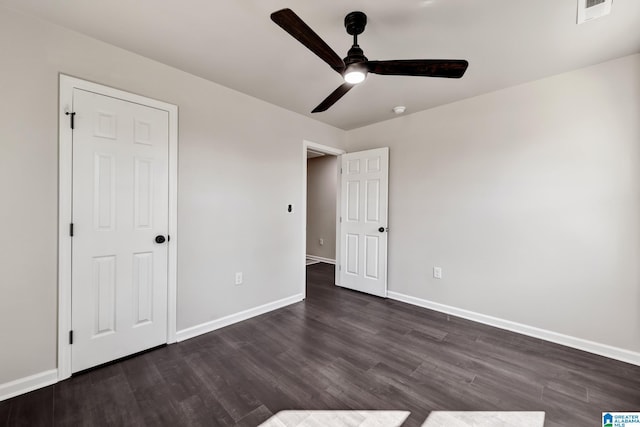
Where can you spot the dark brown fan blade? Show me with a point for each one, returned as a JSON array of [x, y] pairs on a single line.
[[450, 68], [292, 24], [333, 98]]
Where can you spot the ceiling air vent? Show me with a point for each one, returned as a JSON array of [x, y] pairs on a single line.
[[592, 9]]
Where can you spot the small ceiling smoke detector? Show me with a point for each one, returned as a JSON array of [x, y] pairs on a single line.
[[592, 9], [399, 109]]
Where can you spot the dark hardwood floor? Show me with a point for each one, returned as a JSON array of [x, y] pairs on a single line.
[[337, 350]]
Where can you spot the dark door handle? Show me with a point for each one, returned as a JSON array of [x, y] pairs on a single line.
[[160, 239], [382, 229]]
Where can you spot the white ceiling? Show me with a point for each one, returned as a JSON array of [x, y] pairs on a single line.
[[234, 43]]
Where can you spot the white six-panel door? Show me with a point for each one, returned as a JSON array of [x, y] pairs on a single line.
[[120, 204], [363, 227]]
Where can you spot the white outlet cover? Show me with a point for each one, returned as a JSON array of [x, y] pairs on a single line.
[[437, 272]]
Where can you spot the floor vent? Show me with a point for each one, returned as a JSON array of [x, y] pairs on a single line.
[[592, 9]]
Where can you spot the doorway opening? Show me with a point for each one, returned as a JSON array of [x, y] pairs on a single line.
[[322, 183], [321, 186], [361, 218]]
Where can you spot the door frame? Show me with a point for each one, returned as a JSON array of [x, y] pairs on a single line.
[[332, 151], [67, 84]]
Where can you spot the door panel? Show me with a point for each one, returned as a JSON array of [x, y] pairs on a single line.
[[143, 194], [373, 201], [120, 203], [104, 294], [364, 185], [143, 288], [371, 255]]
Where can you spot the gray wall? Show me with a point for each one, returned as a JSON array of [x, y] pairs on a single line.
[[528, 198], [322, 181], [240, 164]]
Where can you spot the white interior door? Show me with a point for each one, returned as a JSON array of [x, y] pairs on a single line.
[[363, 226], [120, 205]]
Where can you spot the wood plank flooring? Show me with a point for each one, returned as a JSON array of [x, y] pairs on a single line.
[[337, 350]]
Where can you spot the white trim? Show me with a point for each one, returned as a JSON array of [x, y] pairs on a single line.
[[67, 85], [322, 259], [65, 157], [555, 337], [206, 327], [333, 152], [336, 278], [27, 384], [172, 267]]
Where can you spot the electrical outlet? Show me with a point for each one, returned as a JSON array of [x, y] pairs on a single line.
[[239, 278], [321, 242], [437, 272]]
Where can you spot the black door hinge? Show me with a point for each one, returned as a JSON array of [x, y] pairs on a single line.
[[70, 337], [71, 229], [73, 115]]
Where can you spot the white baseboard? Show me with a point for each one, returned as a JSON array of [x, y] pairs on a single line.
[[321, 259], [27, 384], [566, 340], [203, 328]]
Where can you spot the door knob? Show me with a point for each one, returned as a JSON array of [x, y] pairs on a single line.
[[382, 229], [160, 238]]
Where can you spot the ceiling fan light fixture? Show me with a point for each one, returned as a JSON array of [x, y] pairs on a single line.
[[355, 67], [355, 73]]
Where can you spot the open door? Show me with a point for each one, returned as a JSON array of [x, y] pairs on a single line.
[[364, 182]]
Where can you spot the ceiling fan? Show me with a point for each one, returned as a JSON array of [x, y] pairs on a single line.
[[355, 66]]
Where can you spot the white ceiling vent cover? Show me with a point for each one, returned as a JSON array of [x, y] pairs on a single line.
[[592, 9]]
